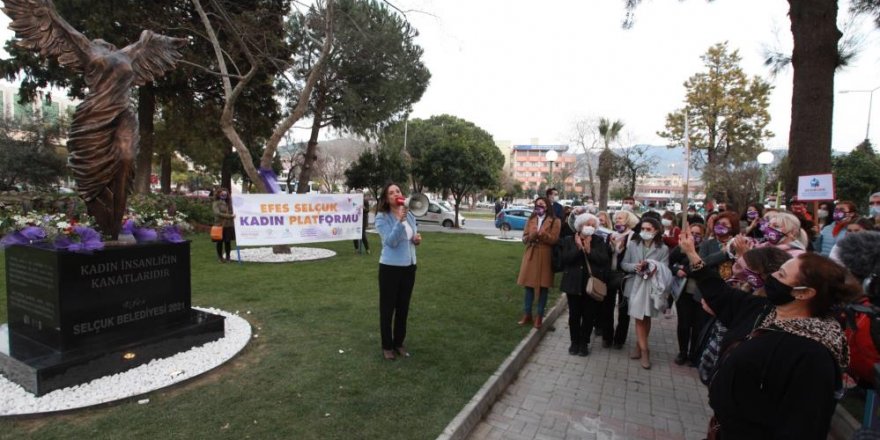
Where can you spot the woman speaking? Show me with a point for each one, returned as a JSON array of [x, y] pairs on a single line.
[[397, 268]]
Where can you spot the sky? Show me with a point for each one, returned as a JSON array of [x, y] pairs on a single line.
[[526, 70]]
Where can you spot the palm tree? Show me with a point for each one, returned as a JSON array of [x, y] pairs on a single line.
[[609, 132]]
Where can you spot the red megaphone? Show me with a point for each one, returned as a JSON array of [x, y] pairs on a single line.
[[400, 201]]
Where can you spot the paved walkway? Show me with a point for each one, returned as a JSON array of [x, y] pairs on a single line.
[[605, 395]]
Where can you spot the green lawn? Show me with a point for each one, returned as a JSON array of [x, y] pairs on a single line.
[[293, 383]]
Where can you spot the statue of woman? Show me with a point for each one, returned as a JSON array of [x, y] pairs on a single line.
[[103, 139]]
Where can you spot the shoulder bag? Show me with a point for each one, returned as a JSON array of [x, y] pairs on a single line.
[[595, 288], [217, 233]]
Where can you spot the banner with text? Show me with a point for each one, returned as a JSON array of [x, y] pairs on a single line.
[[816, 187], [270, 219]]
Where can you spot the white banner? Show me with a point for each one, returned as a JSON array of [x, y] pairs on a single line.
[[816, 187], [270, 219]]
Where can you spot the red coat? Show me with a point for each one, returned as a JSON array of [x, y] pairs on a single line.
[[535, 270], [862, 352]]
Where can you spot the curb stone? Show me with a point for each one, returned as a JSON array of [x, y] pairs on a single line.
[[472, 413]]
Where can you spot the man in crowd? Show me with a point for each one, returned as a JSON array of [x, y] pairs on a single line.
[[629, 204], [553, 197]]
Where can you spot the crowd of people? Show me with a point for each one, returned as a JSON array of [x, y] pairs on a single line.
[[764, 299], [775, 307]]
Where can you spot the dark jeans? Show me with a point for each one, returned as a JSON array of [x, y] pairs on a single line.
[[610, 334], [582, 312], [395, 291], [691, 317], [228, 234]]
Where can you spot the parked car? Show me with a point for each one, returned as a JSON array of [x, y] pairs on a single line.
[[485, 205], [512, 218], [440, 215]]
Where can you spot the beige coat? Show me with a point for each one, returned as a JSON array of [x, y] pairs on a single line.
[[535, 270]]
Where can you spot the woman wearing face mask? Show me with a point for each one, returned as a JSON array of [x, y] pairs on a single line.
[[823, 215], [751, 222], [670, 230], [624, 222], [535, 272], [646, 261], [783, 232], [224, 217], [714, 251], [860, 225], [781, 380], [844, 213], [690, 312], [577, 250]]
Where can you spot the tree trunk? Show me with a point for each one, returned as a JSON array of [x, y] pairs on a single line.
[[226, 169], [605, 162], [311, 153], [814, 59], [144, 161], [592, 180], [165, 176]]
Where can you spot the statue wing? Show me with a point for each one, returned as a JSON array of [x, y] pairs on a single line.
[[38, 25], [153, 55]]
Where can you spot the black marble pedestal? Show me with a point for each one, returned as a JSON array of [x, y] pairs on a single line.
[[76, 317]]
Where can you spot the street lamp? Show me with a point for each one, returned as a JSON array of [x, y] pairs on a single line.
[[870, 103], [551, 157], [764, 158]]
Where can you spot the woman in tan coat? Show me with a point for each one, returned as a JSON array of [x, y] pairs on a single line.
[[539, 236]]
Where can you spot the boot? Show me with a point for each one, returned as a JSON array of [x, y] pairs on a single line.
[[538, 321], [646, 359], [526, 319], [637, 353]]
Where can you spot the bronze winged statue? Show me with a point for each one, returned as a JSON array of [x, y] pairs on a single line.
[[103, 139]]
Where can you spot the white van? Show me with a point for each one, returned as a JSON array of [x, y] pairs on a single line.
[[440, 215]]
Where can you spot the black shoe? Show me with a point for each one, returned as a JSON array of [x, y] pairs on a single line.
[[618, 345], [584, 351], [606, 344], [573, 349], [680, 359], [598, 332]]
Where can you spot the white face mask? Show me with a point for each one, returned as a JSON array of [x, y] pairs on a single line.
[[647, 236], [666, 222], [588, 231], [627, 207]]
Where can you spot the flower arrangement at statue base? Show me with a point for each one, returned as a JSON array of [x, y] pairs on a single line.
[[149, 219], [51, 231]]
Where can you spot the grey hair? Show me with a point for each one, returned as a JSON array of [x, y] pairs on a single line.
[[582, 219]]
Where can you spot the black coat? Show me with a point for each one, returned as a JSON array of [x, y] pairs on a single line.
[[574, 274], [774, 385]]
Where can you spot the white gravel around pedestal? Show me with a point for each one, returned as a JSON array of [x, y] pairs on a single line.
[[265, 255], [157, 374], [510, 239]]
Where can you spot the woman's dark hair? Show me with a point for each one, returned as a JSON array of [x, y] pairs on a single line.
[[219, 191], [382, 202], [757, 207], [733, 218], [866, 223], [766, 260], [831, 281], [658, 227], [548, 211]]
